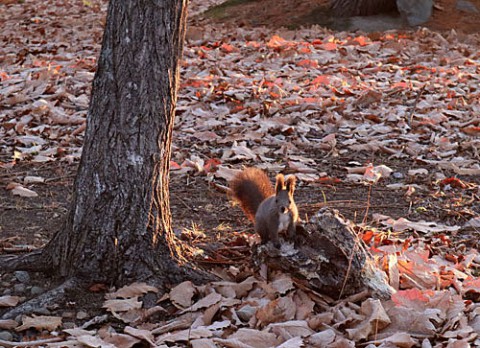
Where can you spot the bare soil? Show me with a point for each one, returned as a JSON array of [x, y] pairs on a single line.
[[30, 223]]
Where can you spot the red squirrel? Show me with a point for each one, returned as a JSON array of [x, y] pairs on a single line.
[[272, 211]]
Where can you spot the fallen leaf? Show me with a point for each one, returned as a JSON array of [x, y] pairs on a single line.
[[41, 322], [9, 301], [132, 290], [182, 294]]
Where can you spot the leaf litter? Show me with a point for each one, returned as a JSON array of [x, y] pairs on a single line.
[[254, 96]]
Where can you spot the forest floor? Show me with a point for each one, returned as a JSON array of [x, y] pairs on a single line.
[[330, 107], [293, 14]]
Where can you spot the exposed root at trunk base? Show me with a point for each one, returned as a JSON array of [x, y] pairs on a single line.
[[33, 261], [46, 299]]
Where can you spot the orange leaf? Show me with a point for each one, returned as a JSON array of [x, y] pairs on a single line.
[[211, 164], [411, 296], [308, 63], [362, 40], [453, 182], [471, 130], [329, 46], [174, 165], [227, 48], [471, 285], [400, 85], [321, 80], [276, 42], [305, 50], [253, 44]]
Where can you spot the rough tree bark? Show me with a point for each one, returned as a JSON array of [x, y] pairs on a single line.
[[118, 229], [348, 8]]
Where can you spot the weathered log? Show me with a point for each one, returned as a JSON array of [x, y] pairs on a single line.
[[329, 256], [349, 8]]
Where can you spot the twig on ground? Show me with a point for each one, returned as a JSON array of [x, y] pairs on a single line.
[[11, 344]]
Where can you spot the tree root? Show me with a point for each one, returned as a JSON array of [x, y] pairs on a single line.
[[33, 261], [51, 297]]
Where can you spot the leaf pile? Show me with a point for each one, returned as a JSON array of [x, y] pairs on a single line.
[[284, 313]]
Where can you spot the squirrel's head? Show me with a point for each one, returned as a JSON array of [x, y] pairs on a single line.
[[284, 192]]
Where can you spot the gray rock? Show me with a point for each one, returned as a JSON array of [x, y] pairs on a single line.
[[6, 336], [398, 175], [416, 12], [466, 6], [68, 315], [7, 291], [36, 290], [22, 276], [42, 311], [68, 325], [19, 288], [246, 312], [81, 315]]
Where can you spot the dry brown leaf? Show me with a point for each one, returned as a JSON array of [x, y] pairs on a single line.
[[249, 338], [181, 322], [21, 191], [322, 339], [412, 321], [121, 340], [205, 302], [184, 335], [182, 294], [293, 342], [375, 319], [305, 306], [399, 339], [94, 342], [132, 290], [33, 180], [40, 322], [282, 284], [289, 329], [122, 305], [9, 301], [203, 343], [8, 324], [78, 332], [226, 173], [130, 316], [279, 310], [144, 335]]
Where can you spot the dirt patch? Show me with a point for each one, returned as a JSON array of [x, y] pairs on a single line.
[[198, 205], [447, 15]]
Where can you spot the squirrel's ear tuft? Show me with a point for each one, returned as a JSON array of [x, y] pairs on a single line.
[[291, 180], [280, 183]]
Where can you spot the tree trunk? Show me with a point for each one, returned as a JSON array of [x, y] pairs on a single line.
[[349, 8], [119, 226]]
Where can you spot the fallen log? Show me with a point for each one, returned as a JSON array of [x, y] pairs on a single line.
[[329, 256]]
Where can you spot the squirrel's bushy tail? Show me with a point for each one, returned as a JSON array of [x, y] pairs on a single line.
[[250, 188]]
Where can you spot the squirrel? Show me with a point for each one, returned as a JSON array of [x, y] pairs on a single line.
[[272, 211]]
